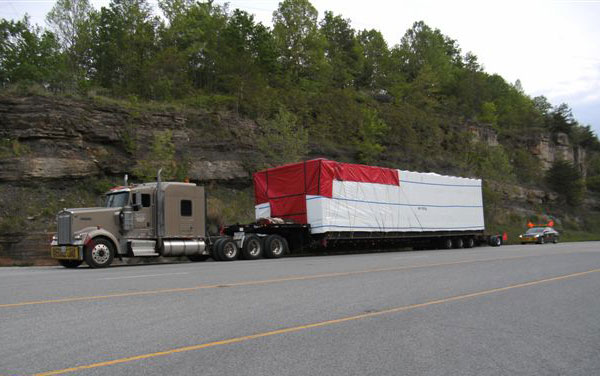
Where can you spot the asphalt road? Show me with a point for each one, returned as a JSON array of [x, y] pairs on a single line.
[[530, 310]]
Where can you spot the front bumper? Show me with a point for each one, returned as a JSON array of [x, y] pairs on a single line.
[[66, 252]]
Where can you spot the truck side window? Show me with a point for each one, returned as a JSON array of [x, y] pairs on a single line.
[[145, 200], [186, 208]]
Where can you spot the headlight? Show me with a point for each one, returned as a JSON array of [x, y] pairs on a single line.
[[54, 238], [520, 236], [78, 237]]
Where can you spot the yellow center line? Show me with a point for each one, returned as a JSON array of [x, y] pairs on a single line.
[[252, 283], [313, 325]]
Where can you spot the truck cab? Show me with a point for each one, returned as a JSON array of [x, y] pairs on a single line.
[[143, 220]]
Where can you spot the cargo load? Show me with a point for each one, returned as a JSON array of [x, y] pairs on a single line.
[[337, 197]]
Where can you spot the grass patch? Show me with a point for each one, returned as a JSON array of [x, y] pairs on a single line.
[[578, 236]]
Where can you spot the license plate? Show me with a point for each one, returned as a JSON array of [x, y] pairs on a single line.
[[68, 252]]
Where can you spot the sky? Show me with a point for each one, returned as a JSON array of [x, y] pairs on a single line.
[[552, 47]]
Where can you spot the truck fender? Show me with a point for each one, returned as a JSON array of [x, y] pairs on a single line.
[[95, 232]]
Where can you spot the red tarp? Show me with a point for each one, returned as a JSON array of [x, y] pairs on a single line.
[[285, 187]]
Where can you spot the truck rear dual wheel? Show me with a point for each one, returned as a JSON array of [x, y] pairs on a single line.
[[275, 246], [214, 252], [252, 248], [227, 250], [99, 253]]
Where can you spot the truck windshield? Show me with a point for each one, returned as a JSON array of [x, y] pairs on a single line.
[[117, 200]]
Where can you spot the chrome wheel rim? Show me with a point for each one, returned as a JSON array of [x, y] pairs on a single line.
[[100, 254], [254, 247], [276, 247], [229, 250]]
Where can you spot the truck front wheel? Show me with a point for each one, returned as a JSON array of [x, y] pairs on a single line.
[[99, 253], [275, 246]]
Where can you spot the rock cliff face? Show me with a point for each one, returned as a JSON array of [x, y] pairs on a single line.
[[548, 151], [65, 139], [546, 148]]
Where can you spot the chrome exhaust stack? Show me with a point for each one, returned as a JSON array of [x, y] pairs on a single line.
[[160, 213]]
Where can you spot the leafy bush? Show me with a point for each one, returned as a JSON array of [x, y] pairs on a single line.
[[527, 167], [162, 155], [490, 162], [371, 132], [283, 140]]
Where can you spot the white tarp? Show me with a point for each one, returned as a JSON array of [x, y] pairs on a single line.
[[422, 202]]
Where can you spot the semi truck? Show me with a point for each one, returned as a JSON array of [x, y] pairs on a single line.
[[316, 204]]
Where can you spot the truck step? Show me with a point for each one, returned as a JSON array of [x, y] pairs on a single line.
[[144, 248]]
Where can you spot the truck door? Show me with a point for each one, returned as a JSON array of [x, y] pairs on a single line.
[[143, 222]]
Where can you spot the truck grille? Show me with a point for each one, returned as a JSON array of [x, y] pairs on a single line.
[[64, 228]]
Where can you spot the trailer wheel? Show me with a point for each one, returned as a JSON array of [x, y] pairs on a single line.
[[214, 251], [458, 243], [446, 243], [70, 264], [469, 242], [227, 250], [252, 248], [275, 246], [99, 253]]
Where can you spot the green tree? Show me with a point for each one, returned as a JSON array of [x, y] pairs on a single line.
[[488, 113], [29, 54], [298, 39], [73, 22], [490, 162], [565, 179], [125, 46], [283, 140], [371, 133], [248, 59], [374, 73], [172, 9], [527, 167], [342, 50], [195, 35], [422, 46], [561, 119]]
